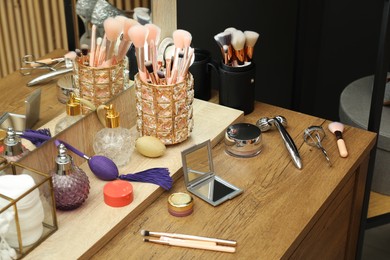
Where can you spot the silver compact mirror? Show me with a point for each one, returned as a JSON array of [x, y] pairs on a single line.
[[200, 178]]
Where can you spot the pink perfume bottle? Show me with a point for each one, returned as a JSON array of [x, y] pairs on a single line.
[[113, 141], [13, 149], [70, 183]]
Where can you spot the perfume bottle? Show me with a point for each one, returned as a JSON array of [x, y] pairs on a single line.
[[113, 141], [13, 149], [73, 114], [70, 183]]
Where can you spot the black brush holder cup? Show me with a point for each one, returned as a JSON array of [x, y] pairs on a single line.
[[237, 87], [200, 70]]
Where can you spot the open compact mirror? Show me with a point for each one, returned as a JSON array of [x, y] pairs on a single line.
[[200, 178]]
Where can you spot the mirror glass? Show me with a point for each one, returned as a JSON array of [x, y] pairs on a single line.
[[200, 178]]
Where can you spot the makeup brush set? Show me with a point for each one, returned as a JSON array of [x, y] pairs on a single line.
[[236, 46]]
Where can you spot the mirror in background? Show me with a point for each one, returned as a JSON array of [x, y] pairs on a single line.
[[200, 178]]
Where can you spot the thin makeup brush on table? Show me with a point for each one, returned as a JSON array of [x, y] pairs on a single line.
[[250, 41], [138, 35], [337, 129], [219, 241]]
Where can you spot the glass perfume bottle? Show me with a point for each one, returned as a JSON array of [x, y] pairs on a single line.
[[73, 114], [13, 149], [70, 183], [113, 141]]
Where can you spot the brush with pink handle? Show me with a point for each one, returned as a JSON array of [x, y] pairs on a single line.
[[125, 44], [337, 129], [138, 35], [112, 29], [153, 40]]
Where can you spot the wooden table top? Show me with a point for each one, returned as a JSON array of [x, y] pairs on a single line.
[[279, 204], [14, 90]]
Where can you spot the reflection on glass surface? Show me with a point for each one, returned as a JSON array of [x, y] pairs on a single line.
[[199, 176]]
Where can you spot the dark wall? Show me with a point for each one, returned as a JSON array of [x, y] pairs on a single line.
[[274, 50], [308, 50]]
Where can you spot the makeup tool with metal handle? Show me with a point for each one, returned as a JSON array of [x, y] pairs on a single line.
[[29, 63], [313, 136], [280, 122]]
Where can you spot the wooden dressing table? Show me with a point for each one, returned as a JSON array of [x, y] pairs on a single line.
[[282, 213]]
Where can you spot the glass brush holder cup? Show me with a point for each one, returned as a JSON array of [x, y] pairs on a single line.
[[165, 111], [99, 84]]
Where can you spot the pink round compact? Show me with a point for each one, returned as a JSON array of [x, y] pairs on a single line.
[[118, 193]]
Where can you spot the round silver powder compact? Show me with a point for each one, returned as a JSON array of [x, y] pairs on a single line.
[[243, 140]]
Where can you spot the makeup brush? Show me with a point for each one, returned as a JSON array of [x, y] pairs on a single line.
[[153, 40], [93, 46], [250, 41], [161, 77], [84, 54], [190, 244], [337, 129], [149, 68], [97, 51], [178, 40], [112, 29], [186, 65], [238, 43], [189, 237], [102, 52], [187, 39], [138, 35], [226, 41], [125, 44]]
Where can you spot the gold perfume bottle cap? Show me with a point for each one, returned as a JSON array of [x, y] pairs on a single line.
[[112, 117], [73, 106]]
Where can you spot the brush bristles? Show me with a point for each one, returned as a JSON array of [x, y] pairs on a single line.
[[112, 28], [238, 40], [178, 38], [251, 38], [336, 126], [138, 35], [154, 33], [126, 27], [145, 232], [149, 66]]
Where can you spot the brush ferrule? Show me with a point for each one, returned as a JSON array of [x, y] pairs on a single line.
[[338, 134]]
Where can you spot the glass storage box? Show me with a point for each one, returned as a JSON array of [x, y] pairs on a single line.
[[27, 209], [165, 111]]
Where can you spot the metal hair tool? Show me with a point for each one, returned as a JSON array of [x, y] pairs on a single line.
[[29, 64], [313, 136], [280, 122]]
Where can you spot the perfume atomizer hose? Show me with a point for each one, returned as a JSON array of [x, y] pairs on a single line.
[[105, 169]]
